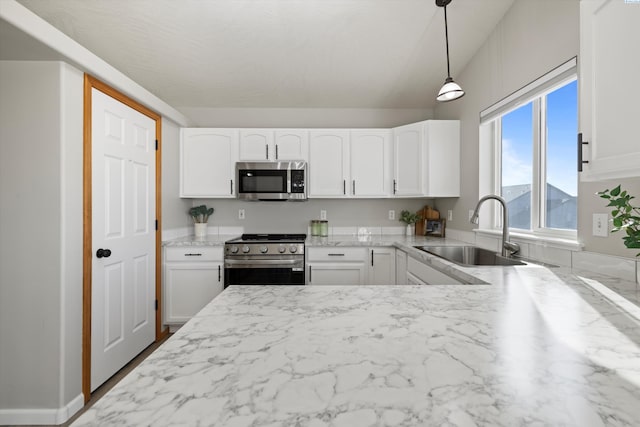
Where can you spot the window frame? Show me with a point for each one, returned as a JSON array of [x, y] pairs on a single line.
[[491, 138]]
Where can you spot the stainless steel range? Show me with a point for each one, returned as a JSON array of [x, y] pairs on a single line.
[[264, 259]]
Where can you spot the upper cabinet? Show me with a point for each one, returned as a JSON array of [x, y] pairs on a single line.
[[609, 89], [416, 160], [328, 167], [427, 159], [273, 144], [370, 163], [207, 162]]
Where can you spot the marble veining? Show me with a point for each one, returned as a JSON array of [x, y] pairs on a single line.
[[208, 240], [538, 347]]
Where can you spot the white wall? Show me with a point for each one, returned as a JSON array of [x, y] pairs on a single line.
[[41, 245], [532, 38]]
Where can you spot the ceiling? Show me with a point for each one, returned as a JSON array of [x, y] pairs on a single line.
[[275, 53]]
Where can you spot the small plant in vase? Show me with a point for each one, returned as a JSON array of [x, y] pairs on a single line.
[[410, 219], [625, 216], [200, 215]]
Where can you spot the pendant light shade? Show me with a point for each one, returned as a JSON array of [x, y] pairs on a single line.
[[450, 90]]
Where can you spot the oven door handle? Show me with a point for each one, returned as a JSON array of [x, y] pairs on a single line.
[[261, 263]]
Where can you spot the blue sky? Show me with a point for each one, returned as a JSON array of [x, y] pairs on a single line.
[[562, 128]]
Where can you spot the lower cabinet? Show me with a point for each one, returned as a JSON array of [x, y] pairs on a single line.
[[401, 267], [419, 273], [192, 277], [336, 266], [382, 266]]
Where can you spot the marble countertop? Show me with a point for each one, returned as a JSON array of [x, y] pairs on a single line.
[[537, 346]]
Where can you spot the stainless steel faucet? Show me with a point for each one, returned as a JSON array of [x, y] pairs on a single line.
[[508, 248]]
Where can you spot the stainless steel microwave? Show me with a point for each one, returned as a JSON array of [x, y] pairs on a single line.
[[285, 180]]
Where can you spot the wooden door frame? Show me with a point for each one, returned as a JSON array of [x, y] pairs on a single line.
[[87, 250]]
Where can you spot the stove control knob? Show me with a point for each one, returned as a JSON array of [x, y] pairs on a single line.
[[234, 249], [281, 249], [264, 249], [293, 249], [245, 249]]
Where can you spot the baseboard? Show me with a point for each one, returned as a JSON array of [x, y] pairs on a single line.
[[41, 416]]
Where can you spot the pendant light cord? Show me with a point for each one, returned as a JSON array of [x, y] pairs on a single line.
[[446, 37]]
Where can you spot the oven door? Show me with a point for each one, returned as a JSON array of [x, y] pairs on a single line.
[[263, 272]]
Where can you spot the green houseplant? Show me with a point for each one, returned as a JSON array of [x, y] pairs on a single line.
[[410, 219], [626, 217], [200, 215]]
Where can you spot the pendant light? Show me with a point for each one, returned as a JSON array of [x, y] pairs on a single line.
[[450, 90]]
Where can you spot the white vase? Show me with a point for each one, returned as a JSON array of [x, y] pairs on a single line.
[[411, 229], [200, 229]]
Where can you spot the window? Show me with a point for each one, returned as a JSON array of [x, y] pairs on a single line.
[[533, 137]]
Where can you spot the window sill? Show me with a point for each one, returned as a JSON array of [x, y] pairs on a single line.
[[556, 242]]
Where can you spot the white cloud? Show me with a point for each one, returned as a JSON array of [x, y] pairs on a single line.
[[515, 169]]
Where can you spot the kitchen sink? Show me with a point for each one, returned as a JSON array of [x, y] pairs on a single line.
[[469, 255]]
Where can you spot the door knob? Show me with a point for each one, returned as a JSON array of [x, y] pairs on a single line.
[[103, 253]]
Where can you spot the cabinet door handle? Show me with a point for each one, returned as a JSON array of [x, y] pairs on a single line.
[[580, 144], [231, 186], [354, 187], [192, 254], [219, 273], [267, 147], [394, 186], [309, 274], [336, 254], [344, 186], [276, 151], [371, 257]]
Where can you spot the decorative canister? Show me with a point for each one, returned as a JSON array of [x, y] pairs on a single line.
[[200, 229], [315, 227], [324, 228]]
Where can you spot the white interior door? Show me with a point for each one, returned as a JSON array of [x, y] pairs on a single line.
[[123, 222]]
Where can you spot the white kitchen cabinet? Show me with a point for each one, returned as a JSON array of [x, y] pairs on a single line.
[[427, 159], [192, 277], [609, 89], [207, 162], [273, 144], [414, 281], [408, 147], [401, 267], [336, 266], [427, 274], [442, 172], [382, 266], [370, 163], [328, 167]]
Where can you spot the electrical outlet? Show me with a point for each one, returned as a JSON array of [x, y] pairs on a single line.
[[240, 213], [600, 225], [392, 214], [449, 215], [323, 214]]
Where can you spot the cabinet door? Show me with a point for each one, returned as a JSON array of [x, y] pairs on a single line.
[[207, 162], [370, 160], [256, 144], [328, 163], [408, 160], [291, 144], [401, 268], [188, 287], [414, 281], [609, 88], [442, 141], [336, 273], [382, 266]]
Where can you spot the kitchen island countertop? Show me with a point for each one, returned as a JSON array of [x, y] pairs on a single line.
[[537, 346]]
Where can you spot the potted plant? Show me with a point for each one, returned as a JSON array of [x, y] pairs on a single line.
[[410, 219], [625, 216], [200, 215]]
